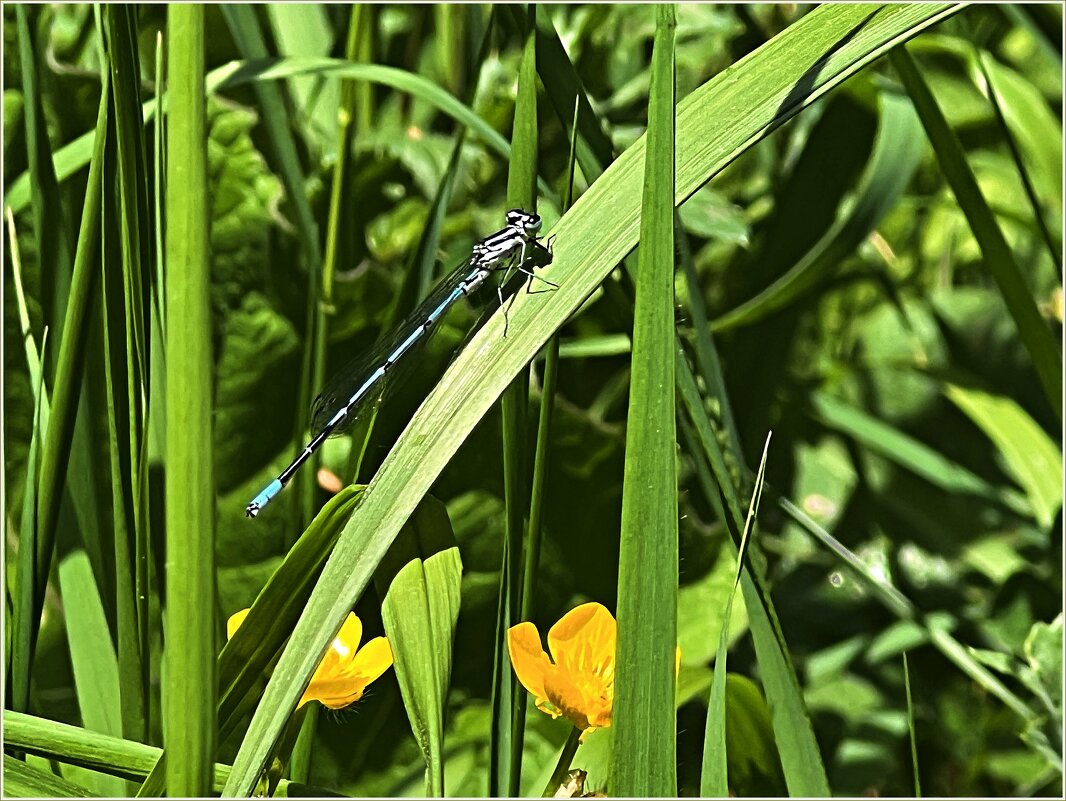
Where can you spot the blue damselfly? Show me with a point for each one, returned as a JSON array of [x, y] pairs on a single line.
[[511, 248]]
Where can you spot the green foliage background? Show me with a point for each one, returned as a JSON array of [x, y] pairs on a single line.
[[914, 480]]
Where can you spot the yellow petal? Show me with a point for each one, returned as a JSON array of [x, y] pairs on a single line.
[[373, 659], [335, 692], [528, 658], [567, 697], [350, 635], [583, 641], [235, 621]]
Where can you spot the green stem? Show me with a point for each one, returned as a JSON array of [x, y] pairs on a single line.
[[566, 756]]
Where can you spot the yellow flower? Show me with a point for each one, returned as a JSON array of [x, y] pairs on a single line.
[[346, 669], [579, 684]]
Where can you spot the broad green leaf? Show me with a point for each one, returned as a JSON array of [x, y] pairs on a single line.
[[1030, 456], [420, 611]]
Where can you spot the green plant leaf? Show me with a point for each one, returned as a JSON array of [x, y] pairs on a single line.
[[25, 781], [1029, 454], [190, 723], [645, 750], [420, 611]]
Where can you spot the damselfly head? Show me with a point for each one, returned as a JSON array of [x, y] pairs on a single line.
[[524, 221]]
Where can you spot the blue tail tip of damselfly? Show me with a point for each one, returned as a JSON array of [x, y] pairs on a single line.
[[263, 498]]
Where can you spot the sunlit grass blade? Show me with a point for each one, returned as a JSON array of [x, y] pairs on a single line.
[[910, 453], [1030, 117], [911, 729], [91, 655], [25, 622], [644, 760], [127, 305], [824, 47], [801, 759], [189, 691], [998, 258], [1028, 452], [61, 447], [561, 85], [531, 567], [110, 756], [714, 780]]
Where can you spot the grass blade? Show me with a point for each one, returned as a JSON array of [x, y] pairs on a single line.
[[910, 728], [49, 225], [74, 156], [190, 491], [57, 449], [25, 781], [714, 780], [1028, 452], [1043, 349], [644, 762], [244, 26], [509, 703]]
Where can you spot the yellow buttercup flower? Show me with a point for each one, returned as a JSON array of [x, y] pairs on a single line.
[[345, 671], [579, 684]]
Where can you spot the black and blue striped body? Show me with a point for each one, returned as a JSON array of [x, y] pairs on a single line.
[[500, 251]]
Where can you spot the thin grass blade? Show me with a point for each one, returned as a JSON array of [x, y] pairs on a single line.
[[1043, 348]]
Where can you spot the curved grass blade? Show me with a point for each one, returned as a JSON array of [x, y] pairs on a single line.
[[72, 157], [771, 85], [895, 158]]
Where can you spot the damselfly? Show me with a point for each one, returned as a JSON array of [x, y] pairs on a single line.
[[363, 380]]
